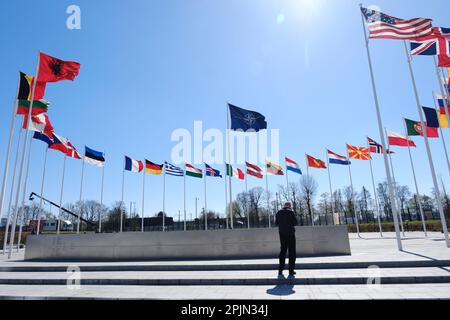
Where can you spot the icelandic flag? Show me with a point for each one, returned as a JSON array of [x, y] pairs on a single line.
[[211, 172], [337, 159], [246, 120], [293, 166], [96, 158], [133, 165]]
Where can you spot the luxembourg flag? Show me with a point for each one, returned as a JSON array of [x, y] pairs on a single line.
[[133, 165], [293, 166], [337, 159]]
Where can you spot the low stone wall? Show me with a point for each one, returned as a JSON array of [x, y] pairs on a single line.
[[214, 244]]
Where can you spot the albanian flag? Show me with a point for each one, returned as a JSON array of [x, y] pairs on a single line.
[[53, 69]]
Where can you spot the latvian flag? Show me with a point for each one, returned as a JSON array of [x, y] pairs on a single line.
[[193, 171], [337, 159], [293, 166], [211, 172], [133, 165], [235, 172], [96, 158], [254, 170]]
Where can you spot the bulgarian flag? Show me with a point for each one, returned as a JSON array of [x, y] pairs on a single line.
[[235, 172], [192, 171], [396, 139]]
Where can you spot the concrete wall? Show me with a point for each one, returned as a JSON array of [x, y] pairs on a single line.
[[215, 244]]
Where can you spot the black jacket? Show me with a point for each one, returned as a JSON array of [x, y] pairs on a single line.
[[286, 221]]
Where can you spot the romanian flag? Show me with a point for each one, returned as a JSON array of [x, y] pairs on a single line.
[[274, 169], [358, 152], [315, 163], [153, 168]]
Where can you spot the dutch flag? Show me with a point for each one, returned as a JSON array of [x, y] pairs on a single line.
[[337, 159], [293, 166]]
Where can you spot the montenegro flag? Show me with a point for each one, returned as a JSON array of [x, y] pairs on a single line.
[[315, 163]]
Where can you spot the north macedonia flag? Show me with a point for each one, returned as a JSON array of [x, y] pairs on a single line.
[[358, 153]]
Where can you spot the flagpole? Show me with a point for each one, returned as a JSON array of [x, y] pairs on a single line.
[[81, 193], [307, 165], [267, 196], [287, 179], [375, 192], [430, 158], [206, 212], [226, 197], [441, 87], [143, 200], [442, 135], [353, 195], [42, 191], [184, 197], [8, 152], [61, 196], [229, 162], [164, 198], [246, 205], [231, 205], [22, 161], [8, 215], [329, 182], [383, 141], [121, 201], [101, 200], [415, 182]]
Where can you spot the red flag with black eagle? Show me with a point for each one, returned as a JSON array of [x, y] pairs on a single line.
[[52, 69]]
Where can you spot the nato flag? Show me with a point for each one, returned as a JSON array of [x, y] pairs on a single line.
[[246, 120], [431, 116]]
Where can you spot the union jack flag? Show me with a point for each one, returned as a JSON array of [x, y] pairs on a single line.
[[435, 44], [211, 172]]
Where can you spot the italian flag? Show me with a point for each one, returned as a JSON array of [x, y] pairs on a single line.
[[190, 170], [235, 172]]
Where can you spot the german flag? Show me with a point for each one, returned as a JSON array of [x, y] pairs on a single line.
[[358, 153], [153, 168]]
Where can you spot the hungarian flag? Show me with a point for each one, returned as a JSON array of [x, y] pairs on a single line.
[[39, 123], [315, 163], [375, 147], [254, 170], [53, 69], [133, 165], [396, 139], [274, 168], [414, 128], [359, 153], [153, 168], [26, 85], [235, 172], [192, 171], [39, 106]]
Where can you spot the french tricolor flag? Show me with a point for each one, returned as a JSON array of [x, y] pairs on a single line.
[[337, 159], [133, 165], [293, 166]]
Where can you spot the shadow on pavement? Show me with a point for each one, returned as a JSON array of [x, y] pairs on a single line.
[[282, 289]]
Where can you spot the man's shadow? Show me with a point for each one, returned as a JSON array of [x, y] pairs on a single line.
[[282, 289]]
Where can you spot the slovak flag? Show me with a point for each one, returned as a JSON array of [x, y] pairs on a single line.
[[337, 159], [293, 166], [133, 165]]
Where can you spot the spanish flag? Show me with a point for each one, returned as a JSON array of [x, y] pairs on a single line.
[[153, 168]]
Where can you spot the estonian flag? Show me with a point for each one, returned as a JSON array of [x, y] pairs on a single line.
[[96, 158], [246, 120]]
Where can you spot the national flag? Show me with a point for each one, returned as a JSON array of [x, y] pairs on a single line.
[[431, 115], [133, 165], [414, 128], [39, 106], [96, 158], [72, 151], [40, 123], [315, 163], [211, 172], [254, 170], [172, 170], [246, 120], [192, 171], [65, 146], [375, 147], [437, 43], [43, 137], [235, 172], [443, 121], [397, 139], [274, 168], [26, 86], [293, 166], [52, 69], [382, 26], [359, 153], [153, 168], [337, 159]]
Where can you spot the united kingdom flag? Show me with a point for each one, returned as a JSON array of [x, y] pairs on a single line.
[[438, 43], [211, 172]]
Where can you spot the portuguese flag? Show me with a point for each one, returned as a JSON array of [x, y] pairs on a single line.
[[192, 171], [414, 128], [39, 106]]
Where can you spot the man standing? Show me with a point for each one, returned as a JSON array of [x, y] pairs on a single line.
[[286, 222]]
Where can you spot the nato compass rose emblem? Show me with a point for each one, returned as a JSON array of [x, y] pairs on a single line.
[[249, 119]]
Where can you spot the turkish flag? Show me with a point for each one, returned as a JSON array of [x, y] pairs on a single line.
[[53, 69]]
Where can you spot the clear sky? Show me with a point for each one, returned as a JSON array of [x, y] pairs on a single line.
[[150, 67]]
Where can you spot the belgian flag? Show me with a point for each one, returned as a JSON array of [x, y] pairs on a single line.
[[24, 95]]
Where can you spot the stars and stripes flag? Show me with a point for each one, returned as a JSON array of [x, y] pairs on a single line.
[[359, 153], [375, 147], [293, 166], [254, 170], [383, 26], [211, 172], [172, 170]]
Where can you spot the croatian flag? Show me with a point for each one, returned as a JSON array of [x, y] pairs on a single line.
[[133, 165], [293, 166], [337, 159]]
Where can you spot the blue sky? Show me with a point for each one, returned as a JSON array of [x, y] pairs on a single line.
[[150, 67]]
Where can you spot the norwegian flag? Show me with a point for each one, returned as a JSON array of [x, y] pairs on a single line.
[[375, 147]]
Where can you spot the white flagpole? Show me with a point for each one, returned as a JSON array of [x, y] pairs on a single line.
[[382, 138], [143, 200], [164, 198], [329, 182], [8, 152], [375, 192], [430, 158], [226, 197], [442, 135], [101, 200], [353, 195], [246, 206], [231, 205], [184, 197], [121, 201], [81, 193], [42, 191], [443, 93], [206, 212], [267, 196], [22, 162], [307, 165], [287, 179], [415, 183], [8, 213], [61, 196], [396, 194], [229, 162], [24, 193]]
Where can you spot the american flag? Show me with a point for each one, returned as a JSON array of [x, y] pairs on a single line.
[[375, 147], [382, 26]]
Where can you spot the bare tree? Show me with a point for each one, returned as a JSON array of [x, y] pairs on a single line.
[[308, 190]]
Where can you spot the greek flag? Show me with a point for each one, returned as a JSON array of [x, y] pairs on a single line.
[[173, 170]]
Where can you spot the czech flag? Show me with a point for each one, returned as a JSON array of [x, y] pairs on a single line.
[[133, 165]]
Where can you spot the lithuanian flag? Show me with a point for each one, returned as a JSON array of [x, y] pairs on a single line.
[[39, 106], [153, 168]]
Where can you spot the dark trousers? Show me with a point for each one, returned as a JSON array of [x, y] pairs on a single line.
[[287, 243]]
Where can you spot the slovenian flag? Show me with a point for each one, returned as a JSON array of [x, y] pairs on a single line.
[[293, 166], [133, 165], [337, 159]]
